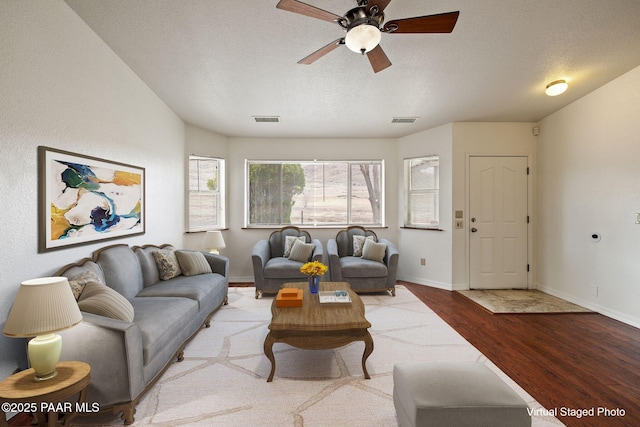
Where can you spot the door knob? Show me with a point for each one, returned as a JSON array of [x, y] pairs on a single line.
[[473, 230]]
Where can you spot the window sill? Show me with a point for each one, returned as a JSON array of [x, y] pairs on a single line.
[[422, 228]]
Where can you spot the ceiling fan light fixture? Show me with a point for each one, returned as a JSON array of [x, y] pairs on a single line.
[[556, 88], [363, 38]]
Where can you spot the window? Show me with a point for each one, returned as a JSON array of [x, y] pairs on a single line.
[[314, 194], [206, 193], [422, 189]]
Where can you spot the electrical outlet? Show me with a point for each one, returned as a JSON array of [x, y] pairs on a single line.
[[593, 290], [423, 261]]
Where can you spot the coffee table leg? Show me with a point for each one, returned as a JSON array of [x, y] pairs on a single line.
[[368, 349], [268, 351]]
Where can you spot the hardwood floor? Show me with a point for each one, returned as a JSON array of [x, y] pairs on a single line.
[[571, 361]]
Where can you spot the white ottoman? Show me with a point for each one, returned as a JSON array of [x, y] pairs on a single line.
[[456, 394]]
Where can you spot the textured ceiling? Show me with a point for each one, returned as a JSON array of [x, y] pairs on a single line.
[[218, 63]]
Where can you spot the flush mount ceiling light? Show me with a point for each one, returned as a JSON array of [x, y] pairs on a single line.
[[556, 88]]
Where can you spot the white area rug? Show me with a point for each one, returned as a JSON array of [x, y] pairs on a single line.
[[222, 380]]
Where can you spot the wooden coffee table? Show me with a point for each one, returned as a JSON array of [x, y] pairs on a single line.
[[316, 326]]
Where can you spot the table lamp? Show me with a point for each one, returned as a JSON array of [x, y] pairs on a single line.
[[214, 241], [41, 308]]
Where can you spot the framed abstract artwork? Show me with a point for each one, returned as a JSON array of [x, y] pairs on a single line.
[[85, 199]]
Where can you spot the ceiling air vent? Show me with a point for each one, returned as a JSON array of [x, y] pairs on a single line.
[[404, 120], [266, 119]]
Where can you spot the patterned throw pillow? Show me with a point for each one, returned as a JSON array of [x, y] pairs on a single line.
[[192, 263], [78, 282], [358, 243], [374, 251], [102, 300], [301, 252], [288, 244], [167, 263]]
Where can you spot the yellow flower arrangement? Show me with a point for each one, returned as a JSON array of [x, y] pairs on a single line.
[[314, 268]]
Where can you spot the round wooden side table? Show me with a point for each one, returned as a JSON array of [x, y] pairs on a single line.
[[22, 391]]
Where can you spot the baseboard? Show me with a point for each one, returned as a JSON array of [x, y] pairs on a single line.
[[621, 317], [431, 283]]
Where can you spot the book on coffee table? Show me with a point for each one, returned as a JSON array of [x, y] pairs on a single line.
[[331, 296]]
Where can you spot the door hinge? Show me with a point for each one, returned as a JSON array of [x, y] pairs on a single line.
[[527, 170], [527, 219], [528, 267]]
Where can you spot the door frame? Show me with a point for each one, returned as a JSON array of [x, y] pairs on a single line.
[[467, 219]]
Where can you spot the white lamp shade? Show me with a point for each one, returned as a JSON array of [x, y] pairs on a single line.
[[42, 306], [214, 240], [364, 37]]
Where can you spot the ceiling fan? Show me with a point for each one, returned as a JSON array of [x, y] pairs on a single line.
[[364, 26]]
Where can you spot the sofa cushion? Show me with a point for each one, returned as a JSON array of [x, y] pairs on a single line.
[[374, 251], [78, 282], [193, 263], [161, 320], [121, 269], [283, 268], [301, 252], [167, 263], [100, 299], [358, 244], [359, 267], [198, 288], [289, 241]]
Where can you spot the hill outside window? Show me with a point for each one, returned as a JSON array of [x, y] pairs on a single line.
[[314, 193]]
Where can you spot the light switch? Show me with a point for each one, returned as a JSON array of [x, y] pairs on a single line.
[[460, 214], [459, 224]]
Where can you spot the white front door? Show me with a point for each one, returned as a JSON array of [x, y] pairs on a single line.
[[498, 216]]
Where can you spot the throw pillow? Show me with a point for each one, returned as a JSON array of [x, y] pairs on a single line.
[[358, 243], [288, 244], [102, 300], [192, 263], [167, 263], [374, 251], [301, 252], [78, 282]]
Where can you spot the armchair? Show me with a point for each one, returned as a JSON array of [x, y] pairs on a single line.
[[373, 272], [274, 262]]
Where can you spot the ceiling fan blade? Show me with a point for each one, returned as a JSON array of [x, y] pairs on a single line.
[[382, 4], [440, 23], [321, 52], [308, 10], [378, 59]]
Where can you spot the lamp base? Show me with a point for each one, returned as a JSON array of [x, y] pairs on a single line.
[[44, 354], [214, 251]]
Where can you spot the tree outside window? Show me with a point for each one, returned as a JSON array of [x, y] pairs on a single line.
[[315, 194]]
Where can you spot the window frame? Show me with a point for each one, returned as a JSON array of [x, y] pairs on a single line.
[[219, 194], [409, 192], [316, 224]]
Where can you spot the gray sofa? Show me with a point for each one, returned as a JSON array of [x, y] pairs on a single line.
[[362, 274], [271, 264], [126, 358]]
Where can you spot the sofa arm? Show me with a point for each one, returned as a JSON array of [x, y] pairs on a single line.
[[334, 260], [113, 349], [318, 251], [219, 264], [391, 261]]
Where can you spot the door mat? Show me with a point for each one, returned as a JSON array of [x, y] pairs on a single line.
[[521, 301]]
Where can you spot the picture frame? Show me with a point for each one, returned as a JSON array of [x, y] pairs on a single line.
[[84, 199]]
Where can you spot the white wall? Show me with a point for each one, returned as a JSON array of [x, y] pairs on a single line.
[[434, 246], [62, 87], [588, 182], [240, 241]]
